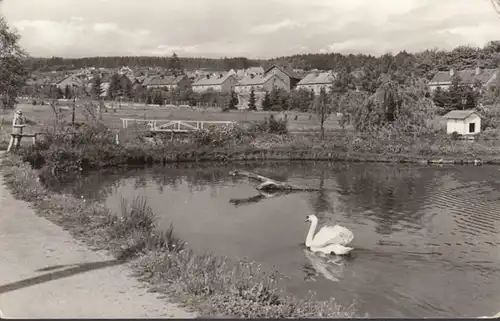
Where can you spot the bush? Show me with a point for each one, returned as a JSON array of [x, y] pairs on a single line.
[[272, 126], [226, 136], [70, 149], [455, 136]]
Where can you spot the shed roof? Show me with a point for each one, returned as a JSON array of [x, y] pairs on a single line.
[[460, 114]]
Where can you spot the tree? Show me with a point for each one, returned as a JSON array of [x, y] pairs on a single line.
[[266, 102], [492, 93], [350, 105], [252, 100], [97, 87], [175, 65], [301, 100], [496, 5], [114, 88], [340, 85], [233, 100], [157, 98], [322, 108], [67, 92], [13, 73], [441, 97]]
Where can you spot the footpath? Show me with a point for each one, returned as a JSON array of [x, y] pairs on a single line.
[[45, 273]]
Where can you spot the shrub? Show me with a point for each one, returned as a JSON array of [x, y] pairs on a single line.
[[271, 125], [225, 136]]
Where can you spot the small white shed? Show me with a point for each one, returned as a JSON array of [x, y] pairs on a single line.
[[464, 122]]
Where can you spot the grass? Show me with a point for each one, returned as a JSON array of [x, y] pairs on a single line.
[[212, 285], [44, 114]]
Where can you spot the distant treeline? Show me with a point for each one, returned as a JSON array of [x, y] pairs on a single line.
[[61, 64], [421, 64]]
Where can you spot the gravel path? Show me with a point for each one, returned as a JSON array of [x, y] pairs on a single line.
[[45, 273]]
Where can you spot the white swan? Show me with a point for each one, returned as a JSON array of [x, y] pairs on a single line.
[[329, 239]]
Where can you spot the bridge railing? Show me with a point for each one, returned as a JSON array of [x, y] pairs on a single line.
[[174, 125]]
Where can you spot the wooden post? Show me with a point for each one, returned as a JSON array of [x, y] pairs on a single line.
[[15, 137]]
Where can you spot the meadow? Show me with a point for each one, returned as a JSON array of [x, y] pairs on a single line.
[[297, 121]]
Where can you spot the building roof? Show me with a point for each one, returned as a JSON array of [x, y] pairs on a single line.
[[254, 70], [468, 76], [163, 81], [255, 80], [460, 114], [213, 80], [317, 78], [288, 72]]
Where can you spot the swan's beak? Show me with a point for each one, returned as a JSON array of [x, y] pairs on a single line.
[[306, 220]]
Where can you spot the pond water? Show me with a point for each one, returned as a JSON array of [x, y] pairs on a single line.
[[426, 239]]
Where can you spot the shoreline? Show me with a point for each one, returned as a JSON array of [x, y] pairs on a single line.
[[251, 155], [255, 154], [202, 282]]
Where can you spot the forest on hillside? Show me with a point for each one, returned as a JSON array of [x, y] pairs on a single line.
[[420, 64]]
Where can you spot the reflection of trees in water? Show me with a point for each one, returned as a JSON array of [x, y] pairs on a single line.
[[196, 180], [392, 194], [320, 201], [96, 186], [140, 182]]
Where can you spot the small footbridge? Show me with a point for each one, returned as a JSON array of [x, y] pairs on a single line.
[[173, 126]]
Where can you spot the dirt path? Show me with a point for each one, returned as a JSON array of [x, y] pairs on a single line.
[[45, 273]]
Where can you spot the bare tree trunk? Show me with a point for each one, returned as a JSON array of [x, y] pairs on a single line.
[[271, 184], [322, 129], [74, 111]]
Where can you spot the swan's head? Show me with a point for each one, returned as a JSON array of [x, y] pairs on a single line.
[[311, 218]]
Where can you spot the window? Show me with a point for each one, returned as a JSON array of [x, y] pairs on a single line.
[[472, 127]]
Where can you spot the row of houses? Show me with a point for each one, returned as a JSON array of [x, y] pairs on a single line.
[[469, 77], [243, 81], [258, 79]]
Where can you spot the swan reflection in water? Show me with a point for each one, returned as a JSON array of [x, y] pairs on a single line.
[[331, 267]]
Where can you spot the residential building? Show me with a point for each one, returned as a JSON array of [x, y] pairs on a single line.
[[260, 85], [290, 78], [317, 80], [468, 77], [167, 82], [219, 82], [74, 80], [256, 71], [463, 122], [203, 72]]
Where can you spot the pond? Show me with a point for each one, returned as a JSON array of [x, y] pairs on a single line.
[[426, 238]]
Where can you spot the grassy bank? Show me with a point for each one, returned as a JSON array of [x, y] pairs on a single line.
[[69, 150], [208, 283]]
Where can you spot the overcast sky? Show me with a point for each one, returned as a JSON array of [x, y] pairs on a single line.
[[251, 28]]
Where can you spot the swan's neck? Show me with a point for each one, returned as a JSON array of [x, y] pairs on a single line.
[[310, 234]]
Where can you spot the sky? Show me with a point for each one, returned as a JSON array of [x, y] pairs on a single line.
[[250, 28]]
